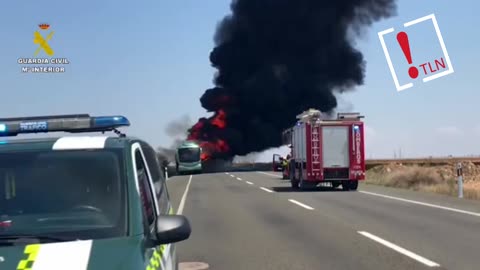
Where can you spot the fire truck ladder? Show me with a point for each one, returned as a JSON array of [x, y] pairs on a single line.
[[348, 116], [311, 116]]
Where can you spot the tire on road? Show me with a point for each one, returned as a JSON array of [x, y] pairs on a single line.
[[303, 185], [353, 185], [295, 183], [346, 185]]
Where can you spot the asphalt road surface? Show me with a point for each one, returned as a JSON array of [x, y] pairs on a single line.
[[254, 220]]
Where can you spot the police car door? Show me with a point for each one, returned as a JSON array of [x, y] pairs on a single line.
[[157, 257], [163, 199]]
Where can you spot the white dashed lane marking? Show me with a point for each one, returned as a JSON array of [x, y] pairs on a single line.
[[266, 189], [270, 174], [401, 250], [301, 204]]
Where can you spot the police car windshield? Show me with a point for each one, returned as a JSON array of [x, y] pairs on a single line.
[[71, 193], [189, 154]]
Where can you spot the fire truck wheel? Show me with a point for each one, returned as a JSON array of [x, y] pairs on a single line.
[[295, 184], [305, 185], [302, 183], [353, 185], [346, 185], [335, 184]]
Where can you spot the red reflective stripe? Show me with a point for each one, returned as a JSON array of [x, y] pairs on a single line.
[[5, 224]]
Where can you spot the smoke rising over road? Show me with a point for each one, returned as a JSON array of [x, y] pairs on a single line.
[[276, 59], [176, 130]]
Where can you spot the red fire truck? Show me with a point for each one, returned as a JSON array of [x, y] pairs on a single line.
[[326, 150]]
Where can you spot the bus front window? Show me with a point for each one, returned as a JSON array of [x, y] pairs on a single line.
[[189, 154]]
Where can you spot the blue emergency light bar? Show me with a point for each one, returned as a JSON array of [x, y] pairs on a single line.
[[72, 123]]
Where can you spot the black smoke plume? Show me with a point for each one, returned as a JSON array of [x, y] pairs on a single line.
[[177, 130], [277, 58]]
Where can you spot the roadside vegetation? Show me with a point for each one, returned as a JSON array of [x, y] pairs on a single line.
[[436, 179]]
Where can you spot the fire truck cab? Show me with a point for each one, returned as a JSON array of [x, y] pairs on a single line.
[[326, 150]]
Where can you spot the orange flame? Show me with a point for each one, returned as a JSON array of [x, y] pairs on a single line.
[[222, 146], [210, 146], [219, 146], [195, 131], [219, 119]]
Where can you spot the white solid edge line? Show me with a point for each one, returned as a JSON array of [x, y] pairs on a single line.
[[238, 178], [266, 189], [184, 197], [301, 204], [424, 204], [270, 174], [400, 249], [248, 182]]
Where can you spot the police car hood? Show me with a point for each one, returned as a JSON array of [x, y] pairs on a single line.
[[118, 253]]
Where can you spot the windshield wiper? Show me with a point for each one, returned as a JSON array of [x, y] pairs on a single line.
[[15, 238]]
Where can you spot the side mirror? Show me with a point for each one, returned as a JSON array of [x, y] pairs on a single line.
[[172, 229]]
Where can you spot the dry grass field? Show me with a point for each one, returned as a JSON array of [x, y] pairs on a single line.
[[440, 179]]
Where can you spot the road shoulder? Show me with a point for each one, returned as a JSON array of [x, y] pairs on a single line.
[[424, 197]]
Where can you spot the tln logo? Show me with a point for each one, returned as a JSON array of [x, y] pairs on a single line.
[[419, 53]]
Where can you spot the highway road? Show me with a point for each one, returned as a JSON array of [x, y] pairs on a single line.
[[253, 220]]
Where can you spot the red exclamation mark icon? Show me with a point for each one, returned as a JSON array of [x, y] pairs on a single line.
[[402, 39]]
